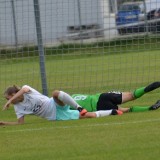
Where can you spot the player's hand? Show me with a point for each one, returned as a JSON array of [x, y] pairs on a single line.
[[2, 123], [6, 106]]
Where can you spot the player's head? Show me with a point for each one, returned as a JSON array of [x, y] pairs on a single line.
[[10, 92]]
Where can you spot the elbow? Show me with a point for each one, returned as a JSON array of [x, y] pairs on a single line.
[[25, 89]]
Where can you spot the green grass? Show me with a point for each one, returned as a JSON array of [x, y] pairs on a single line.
[[127, 137], [84, 73]]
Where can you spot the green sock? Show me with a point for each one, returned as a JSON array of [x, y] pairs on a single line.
[[139, 108], [139, 92]]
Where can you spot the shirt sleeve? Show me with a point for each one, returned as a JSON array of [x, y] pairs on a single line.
[[18, 114], [31, 89]]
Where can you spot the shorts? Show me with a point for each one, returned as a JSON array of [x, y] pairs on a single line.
[[65, 113], [109, 100]]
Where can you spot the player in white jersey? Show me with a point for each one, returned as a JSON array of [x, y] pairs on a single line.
[[27, 100]]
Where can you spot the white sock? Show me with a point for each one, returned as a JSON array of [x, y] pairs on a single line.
[[102, 113], [67, 99]]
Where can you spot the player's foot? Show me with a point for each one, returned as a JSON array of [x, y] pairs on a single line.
[[155, 106], [152, 86], [82, 111], [116, 112]]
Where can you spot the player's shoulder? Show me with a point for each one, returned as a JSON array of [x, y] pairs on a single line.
[[26, 86]]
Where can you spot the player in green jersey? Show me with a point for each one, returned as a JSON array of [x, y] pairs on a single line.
[[113, 100]]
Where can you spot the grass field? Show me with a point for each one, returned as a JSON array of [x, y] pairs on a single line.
[[127, 137]]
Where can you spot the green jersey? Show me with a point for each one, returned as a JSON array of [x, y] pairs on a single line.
[[89, 102]]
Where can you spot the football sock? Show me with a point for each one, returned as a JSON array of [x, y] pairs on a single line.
[[103, 113], [67, 99], [139, 108], [141, 91]]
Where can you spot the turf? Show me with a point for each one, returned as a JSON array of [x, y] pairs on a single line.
[[128, 137]]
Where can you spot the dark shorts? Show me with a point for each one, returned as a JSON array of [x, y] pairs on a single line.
[[109, 100]]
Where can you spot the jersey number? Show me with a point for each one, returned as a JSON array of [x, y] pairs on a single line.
[[82, 97], [36, 108]]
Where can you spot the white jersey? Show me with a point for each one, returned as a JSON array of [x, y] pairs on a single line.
[[37, 104]]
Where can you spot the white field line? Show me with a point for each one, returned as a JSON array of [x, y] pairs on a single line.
[[81, 126]]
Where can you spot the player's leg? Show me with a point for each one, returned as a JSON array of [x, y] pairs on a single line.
[[102, 113], [141, 91], [135, 109], [141, 108], [129, 96], [124, 110], [115, 98], [62, 98], [108, 101]]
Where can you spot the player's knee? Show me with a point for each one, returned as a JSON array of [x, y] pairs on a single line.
[[131, 95], [127, 96], [55, 94]]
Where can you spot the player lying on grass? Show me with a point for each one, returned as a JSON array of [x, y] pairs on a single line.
[[27, 100], [112, 100]]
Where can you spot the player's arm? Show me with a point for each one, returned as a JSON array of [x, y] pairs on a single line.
[[20, 121], [18, 94]]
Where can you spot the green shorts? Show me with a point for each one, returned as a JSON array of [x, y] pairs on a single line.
[[65, 113]]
